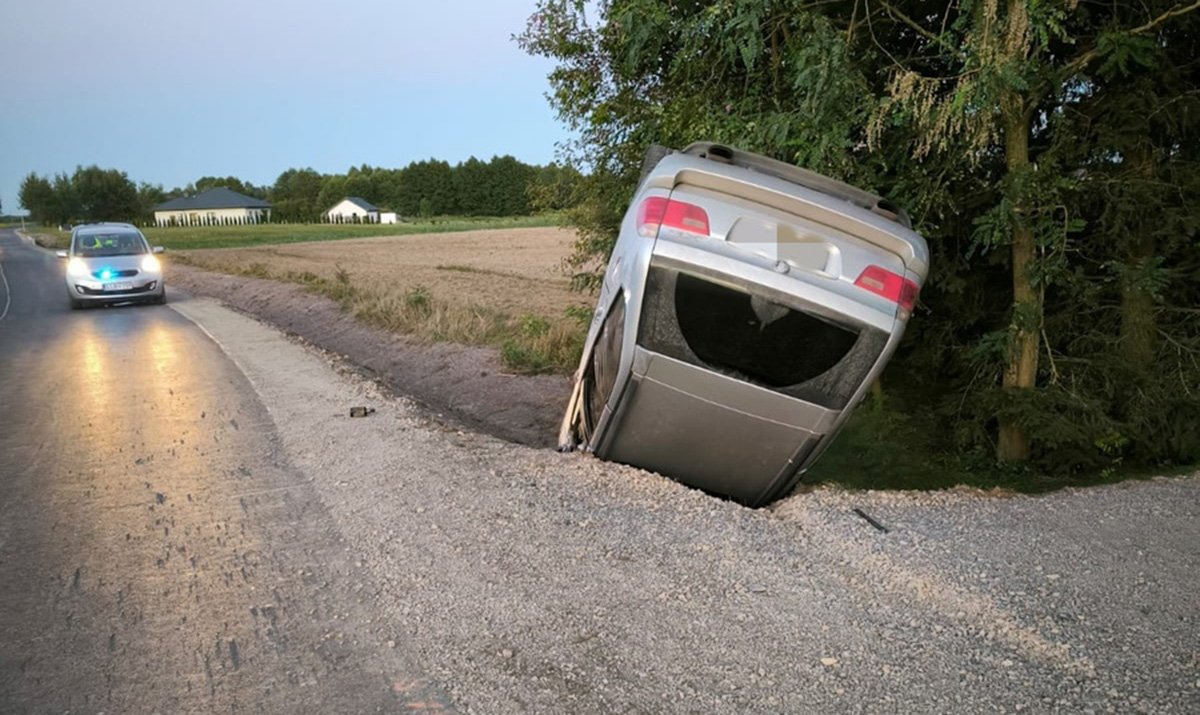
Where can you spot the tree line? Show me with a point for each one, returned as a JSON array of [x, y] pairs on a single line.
[[502, 186], [1048, 151]]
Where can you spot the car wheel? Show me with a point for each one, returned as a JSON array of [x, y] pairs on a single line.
[[602, 371], [162, 299], [75, 304]]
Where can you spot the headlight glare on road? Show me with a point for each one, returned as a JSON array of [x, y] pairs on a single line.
[[150, 264], [77, 267]]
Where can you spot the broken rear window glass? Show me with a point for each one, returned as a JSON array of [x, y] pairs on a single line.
[[748, 336]]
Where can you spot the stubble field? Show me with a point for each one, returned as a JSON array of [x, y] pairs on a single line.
[[510, 271]]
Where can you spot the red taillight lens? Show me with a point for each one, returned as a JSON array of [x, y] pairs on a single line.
[[658, 211], [895, 288]]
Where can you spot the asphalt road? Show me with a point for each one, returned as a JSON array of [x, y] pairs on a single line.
[[157, 551]]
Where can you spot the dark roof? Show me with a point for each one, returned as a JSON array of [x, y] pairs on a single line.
[[218, 198], [361, 203]]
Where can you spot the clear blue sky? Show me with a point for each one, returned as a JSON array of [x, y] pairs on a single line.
[[169, 92]]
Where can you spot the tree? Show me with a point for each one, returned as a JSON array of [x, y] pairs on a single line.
[[149, 196], [429, 179], [333, 190], [510, 181], [296, 195], [996, 72], [775, 77], [473, 187], [233, 183], [37, 197], [974, 116], [102, 195], [554, 187]]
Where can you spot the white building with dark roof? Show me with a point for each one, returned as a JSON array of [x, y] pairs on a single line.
[[215, 206], [352, 209]]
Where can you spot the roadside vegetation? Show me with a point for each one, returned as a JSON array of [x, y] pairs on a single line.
[[527, 343]]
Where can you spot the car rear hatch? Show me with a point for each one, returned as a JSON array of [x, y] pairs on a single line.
[[754, 337]]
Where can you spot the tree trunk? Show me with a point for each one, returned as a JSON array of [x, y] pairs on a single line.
[[1138, 325], [1138, 328], [1021, 371]]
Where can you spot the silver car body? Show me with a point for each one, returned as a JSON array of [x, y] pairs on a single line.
[[746, 308], [112, 263]]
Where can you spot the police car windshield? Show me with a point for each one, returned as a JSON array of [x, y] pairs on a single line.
[[116, 243]]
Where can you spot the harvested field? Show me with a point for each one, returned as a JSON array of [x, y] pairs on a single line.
[[513, 272]]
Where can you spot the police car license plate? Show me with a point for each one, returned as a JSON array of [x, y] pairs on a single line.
[[118, 286]]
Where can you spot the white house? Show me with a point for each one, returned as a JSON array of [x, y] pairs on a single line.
[[215, 206], [353, 209], [387, 217]]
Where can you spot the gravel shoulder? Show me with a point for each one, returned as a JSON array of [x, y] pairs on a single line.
[[465, 384], [528, 581]]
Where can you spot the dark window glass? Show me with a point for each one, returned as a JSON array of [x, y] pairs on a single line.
[[746, 335], [117, 243]]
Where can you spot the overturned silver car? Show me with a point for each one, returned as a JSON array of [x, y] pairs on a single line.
[[746, 308]]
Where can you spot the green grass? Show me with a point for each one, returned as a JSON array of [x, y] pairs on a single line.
[[193, 237]]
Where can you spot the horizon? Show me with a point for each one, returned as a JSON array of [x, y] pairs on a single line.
[[297, 91]]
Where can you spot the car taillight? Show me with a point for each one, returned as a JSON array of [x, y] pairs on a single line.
[[895, 288], [658, 211]]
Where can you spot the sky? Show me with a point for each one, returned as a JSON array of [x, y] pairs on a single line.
[[170, 91]]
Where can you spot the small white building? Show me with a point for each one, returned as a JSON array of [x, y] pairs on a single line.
[[213, 207], [387, 217], [353, 210]]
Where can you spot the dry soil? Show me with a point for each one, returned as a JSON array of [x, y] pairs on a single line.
[[513, 271]]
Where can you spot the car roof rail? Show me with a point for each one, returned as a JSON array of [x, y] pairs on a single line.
[[808, 179]]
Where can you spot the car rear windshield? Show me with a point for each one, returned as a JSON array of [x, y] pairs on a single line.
[[752, 338], [117, 243]]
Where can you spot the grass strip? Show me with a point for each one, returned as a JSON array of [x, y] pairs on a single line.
[[194, 237], [528, 344]]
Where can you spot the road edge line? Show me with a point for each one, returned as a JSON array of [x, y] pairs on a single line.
[[7, 292]]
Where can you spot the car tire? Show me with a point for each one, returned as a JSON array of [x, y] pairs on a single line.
[[162, 299], [654, 154], [75, 304]]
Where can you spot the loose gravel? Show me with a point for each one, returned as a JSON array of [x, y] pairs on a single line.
[[528, 581]]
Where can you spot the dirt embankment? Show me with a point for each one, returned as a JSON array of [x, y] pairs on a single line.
[[467, 384]]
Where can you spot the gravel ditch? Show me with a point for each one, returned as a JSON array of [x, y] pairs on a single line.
[[528, 581], [467, 384]]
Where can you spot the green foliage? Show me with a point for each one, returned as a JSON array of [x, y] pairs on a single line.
[[205, 183], [427, 185], [763, 75], [417, 298], [537, 346], [37, 197], [89, 194], [296, 196], [554, 188], [918, 101], [193, 237]]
